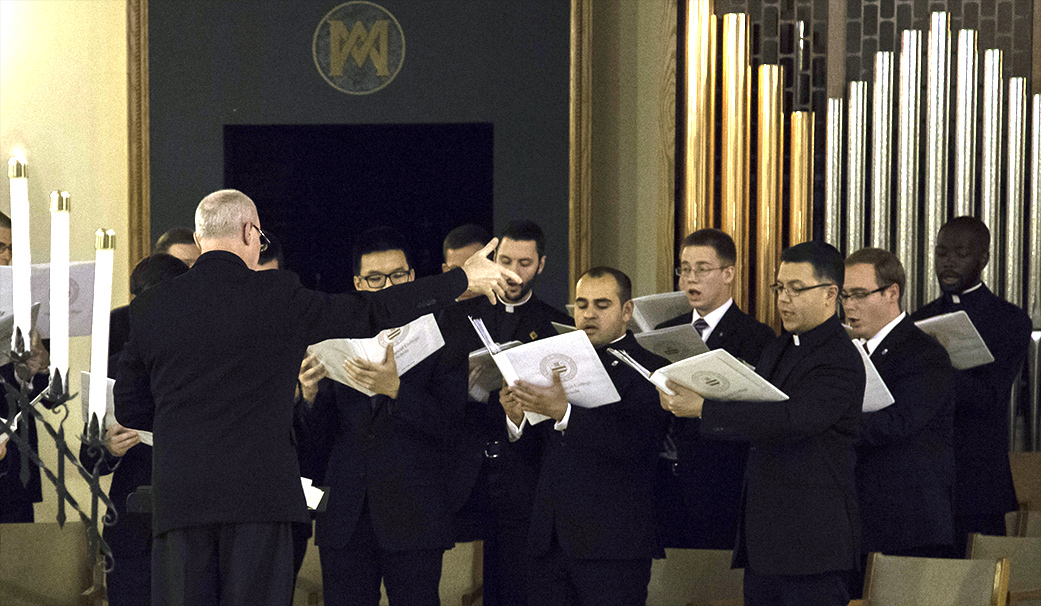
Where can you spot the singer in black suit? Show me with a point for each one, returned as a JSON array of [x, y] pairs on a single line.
[[211, 367], [699, 481], [388, 516], [17, 499], [983, 490], [799, 533], [905, 458], [494, 480], [593, 532]]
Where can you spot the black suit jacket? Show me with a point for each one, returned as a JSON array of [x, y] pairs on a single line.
[[905, 459], [710, 472], [211, 367], [799, 512], [484, 422], [983, 479], [596, 486], [394, 453]]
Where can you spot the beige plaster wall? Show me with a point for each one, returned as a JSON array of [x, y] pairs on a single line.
[[63, 100]]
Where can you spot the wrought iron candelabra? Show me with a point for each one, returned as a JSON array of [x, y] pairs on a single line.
[[56, 398]]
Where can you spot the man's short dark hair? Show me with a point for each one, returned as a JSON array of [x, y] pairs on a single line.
[[153, 270], [625, 285], [5, 221], [972, 226], [720, 241], [273, 252], [827, 262], [177, 235], [523, 230], [378, 239], [888, 268], [464, 236]]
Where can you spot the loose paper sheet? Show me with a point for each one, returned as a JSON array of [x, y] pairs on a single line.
[[412, 342], [674, 343], [876, 394], [312, 494], [958, 335], [651, 310], [81, 296]]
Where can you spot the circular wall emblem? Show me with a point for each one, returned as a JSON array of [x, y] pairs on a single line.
[[393, 335], [359, 47], [558, 364], [710, 384]]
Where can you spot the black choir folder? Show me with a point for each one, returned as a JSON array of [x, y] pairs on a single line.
[[714, 375], [958, 335]]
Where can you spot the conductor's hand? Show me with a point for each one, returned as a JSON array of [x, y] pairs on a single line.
[[550, 401], [377, 377], [312, 371], [484, 276], [685, 403], [119, 439], [511, 404]]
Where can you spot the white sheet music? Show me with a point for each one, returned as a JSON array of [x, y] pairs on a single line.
[[715, 375], [412, 343], [958, 335], [674, 343], [651, 310], [81, 296], [876, 393]]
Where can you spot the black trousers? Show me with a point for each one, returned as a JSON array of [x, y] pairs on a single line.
[[827, 589], [18, 512], [560, 580], [223, 565], [351, 575]]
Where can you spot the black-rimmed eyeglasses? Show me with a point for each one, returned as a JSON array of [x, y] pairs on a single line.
[[264, 241], [377, 280], [794, 291], [860, 295]]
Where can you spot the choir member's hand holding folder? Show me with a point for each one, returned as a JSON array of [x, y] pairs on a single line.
[[110, 416], [651, 310], [570, 356], [713, 375], [7, 331], [484, 374], [958, 335], [412, 344]]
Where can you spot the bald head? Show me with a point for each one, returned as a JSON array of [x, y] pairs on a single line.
[[227, 220]]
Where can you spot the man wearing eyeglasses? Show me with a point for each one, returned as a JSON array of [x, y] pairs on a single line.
[[799, 536], [983, 489], [905, 459], [211, 368], [699, 480], [388, 516]]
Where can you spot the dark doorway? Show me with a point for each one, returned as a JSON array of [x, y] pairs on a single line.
[[318, 186]]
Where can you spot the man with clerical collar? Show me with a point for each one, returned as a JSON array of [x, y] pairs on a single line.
[[799, 534], [593, 533], [496, 479], [905, 460], [699, 479], [983, 490]]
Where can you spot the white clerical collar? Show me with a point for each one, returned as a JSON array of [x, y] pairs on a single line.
[[712, 318], [873, 342], [511, 306], [624, 334], [957, 299]]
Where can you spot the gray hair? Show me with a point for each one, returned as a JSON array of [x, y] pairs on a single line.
[[223, 213]]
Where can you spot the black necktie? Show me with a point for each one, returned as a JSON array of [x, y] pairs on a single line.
[[700, 325]]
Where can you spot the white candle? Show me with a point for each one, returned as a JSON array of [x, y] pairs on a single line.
[[17, 171], [105, 244], [60, 284]]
